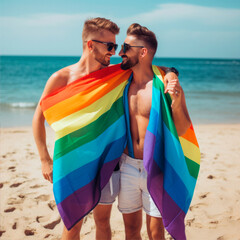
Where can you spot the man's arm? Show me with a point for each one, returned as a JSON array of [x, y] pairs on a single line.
[[39, 133], [55, 82]]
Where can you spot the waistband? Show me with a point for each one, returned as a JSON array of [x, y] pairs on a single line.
[[138, 163]]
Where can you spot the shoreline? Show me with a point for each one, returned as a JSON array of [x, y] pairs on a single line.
[[28, 210]]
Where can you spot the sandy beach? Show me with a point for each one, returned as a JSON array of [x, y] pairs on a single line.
[[28, 210]]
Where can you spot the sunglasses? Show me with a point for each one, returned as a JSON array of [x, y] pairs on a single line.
[[126, 47], [110, 45]]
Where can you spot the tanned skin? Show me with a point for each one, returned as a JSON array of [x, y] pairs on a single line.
[[140, 102]]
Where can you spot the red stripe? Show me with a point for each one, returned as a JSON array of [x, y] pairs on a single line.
[[88, 81]]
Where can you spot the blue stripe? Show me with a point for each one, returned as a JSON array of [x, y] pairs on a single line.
[[176, 189], [170, 157], [156, 98], [85, 174], [127, 117], [153, 124], [155, 111], [175, 158], [89, 151], [177, 181]]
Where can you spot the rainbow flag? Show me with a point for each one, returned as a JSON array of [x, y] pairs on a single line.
[[90, 136], [172, 162]]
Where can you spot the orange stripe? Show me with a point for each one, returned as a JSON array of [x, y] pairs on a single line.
[[68, 92], [92, 79], [83, 99], [162, 73], [190, 136]]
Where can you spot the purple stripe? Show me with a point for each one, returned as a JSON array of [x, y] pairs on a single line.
[[148, 151], [177, 227], [173, 216], [107, 170], [155, 176], [73, 208]]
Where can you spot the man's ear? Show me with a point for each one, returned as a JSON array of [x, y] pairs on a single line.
[[143, 52], [90, 45]]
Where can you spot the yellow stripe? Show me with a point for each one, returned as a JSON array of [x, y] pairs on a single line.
[[190, 150], [159, 75], [87, 115], [54, 113], [157, 72], [85, 97]]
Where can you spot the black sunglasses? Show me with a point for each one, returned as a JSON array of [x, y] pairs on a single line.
[[110, 45], [126, 47]]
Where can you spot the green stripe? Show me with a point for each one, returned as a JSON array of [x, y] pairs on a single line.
[[193, 167], [166, 106], [89, 132]]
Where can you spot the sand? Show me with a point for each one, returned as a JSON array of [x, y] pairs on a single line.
[[28, 210]]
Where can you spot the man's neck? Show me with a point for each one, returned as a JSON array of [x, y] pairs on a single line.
[[142, 74], [87, 64]]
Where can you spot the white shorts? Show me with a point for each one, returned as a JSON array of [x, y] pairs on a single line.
[[111, 190], [134, 194]]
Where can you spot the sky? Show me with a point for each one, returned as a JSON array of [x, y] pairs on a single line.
[[184, 28]]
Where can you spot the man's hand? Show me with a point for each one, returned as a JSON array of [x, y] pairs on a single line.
[[180, 114], [47, 170], [172, 86]]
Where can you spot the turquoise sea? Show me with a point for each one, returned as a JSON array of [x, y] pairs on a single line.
[[212, 86]]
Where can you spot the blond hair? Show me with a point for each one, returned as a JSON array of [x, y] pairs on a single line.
[[95, 25]]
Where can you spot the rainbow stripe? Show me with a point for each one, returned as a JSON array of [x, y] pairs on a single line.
[[172, 162], [88, 119], [90, 136]]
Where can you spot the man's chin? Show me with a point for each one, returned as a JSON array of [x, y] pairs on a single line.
[[125, 66], [106, 63]]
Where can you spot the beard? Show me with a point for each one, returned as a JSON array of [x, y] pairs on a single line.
[[101, 58], [129, 62]]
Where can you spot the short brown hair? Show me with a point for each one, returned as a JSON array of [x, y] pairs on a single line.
[[144, 34], [95, 25]]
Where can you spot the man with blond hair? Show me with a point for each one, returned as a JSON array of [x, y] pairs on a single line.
[[99, 44]]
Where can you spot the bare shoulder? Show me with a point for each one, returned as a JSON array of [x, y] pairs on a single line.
[[60, 78], [57, 80]]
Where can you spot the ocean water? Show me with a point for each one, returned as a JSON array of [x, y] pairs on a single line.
[[211, 86]]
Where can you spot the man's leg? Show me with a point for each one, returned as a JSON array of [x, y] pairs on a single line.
[[102, 212], [133, 225], [129, 199], [101, 215], [74, 233], [155, 228]]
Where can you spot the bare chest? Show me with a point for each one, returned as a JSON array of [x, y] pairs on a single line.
[[140, 100]]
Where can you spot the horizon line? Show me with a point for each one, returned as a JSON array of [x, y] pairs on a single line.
[[212, 58]]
